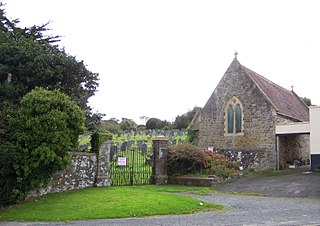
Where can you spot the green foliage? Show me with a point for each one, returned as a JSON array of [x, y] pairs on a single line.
[[98, 137], [306, 100], [183, 121], [185, 159], [191, 135], [188, 159], [111, 125], [154, 123], [31, 59], [43, 129], [127, 124]]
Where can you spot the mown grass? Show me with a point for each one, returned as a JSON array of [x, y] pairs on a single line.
[[108, 202]]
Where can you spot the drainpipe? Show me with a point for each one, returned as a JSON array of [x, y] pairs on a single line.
[[277, 152]]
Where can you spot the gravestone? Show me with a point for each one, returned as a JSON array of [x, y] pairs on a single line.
[[124, 146], [144, 149], [113, 151], [139, 144], [129, 143]]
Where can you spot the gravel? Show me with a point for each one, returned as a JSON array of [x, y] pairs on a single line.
[[242, 210]]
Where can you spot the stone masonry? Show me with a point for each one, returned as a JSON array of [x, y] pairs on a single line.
[[81, 173], [258, 119]]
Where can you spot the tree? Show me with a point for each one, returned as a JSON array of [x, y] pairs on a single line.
[[306, 100], [32, 60], [153, 123], [183, 121], [43, 129], [127, 124]]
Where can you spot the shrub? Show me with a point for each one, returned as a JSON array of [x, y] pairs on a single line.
[[185, 159], [188, 159], [45, 127], [98, 137]]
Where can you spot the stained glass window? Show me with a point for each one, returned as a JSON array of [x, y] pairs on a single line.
[[238, 119], [230, 119]]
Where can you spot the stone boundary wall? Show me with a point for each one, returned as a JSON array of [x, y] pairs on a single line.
[[81, 173], [247, 159]]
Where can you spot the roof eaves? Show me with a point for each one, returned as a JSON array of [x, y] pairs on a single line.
[[289, 116]]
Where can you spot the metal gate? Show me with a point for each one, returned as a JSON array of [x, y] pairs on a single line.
[[130, 166]]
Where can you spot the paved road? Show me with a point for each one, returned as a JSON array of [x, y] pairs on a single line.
[[297, 183]]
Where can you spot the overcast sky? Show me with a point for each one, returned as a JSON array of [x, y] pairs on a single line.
[[162, 58]]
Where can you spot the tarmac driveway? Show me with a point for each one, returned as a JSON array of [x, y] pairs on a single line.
[[298, 183]]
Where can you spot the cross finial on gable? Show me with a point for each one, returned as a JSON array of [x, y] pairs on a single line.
[[235, 55]]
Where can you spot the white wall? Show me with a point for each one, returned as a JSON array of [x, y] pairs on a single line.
[[315, 130]]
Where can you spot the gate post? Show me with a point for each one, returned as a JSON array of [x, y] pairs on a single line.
[[160, 153], [103, 176]]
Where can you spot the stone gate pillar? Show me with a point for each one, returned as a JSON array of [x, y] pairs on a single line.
[[160, 153], [103, 174]]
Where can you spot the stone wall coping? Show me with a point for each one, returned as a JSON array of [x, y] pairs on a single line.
[[82, 153]]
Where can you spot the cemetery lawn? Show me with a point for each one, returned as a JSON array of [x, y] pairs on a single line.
[[109, 202]]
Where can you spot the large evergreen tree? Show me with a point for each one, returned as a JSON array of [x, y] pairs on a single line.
[[30, 58]]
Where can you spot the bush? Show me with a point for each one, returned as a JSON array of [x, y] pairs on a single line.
[[188, 159], [98, 137], [185, 159], [45, 127]]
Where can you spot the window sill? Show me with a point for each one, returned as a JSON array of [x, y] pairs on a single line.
[[233, 134]]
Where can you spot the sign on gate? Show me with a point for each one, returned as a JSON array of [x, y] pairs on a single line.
[[122, 161]]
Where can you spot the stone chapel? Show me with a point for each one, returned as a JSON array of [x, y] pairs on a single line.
[[240, 118]]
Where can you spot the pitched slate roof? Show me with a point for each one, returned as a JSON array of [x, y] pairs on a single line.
[[285, 102]]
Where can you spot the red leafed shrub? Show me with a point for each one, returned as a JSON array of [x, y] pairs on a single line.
[[215, 158], [188, 159]]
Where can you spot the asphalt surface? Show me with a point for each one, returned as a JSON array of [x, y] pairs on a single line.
[[287, 205], [296, 183]]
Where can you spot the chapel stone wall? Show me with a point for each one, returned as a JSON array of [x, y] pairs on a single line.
[[255, 147]]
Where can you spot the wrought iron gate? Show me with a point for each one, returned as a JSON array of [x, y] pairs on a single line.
[[130, 166]]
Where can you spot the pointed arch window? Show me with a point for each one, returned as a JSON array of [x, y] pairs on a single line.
[[230, 119], [234, 116]]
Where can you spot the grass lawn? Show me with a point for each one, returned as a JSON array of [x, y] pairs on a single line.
[[109, 202]]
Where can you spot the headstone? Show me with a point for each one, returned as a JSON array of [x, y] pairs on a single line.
[[144, 149], [139, 145], [129, 143], [124, 146], [113, 151]]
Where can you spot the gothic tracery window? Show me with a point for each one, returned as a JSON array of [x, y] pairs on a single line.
[[234, 116]]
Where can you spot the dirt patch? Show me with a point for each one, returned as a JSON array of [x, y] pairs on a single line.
[[299, 183]]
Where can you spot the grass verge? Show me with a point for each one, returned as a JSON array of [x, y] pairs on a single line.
[[108, 202]]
